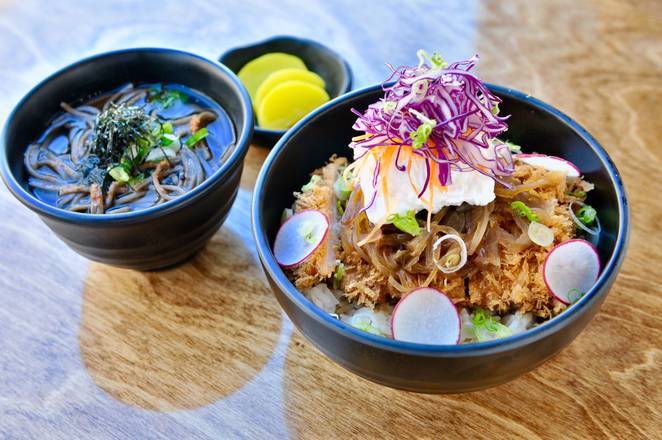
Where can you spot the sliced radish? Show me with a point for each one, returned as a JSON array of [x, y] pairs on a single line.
[[570, 269], [299, 236], [426, 316], [551, 163]]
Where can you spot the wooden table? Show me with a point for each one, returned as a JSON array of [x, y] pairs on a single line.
[[203, 350]]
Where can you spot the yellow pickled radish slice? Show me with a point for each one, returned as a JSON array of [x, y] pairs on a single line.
[[288, 102], [257, 70], [286, 75]]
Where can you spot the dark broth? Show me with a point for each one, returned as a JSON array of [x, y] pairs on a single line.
[[67, 171]]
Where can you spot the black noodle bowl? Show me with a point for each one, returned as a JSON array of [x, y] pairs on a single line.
[[67, 167]]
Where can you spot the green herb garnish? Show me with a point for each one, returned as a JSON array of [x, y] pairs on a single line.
[[575, 295], [420, 136], [338, 275], [367, 327], [406, 222], [120, 174], [136, 180], [579, 194], [524, 211], [165, 141], [487, 327], [197, 137], [389, 106], [314, 180], [436, 61], [341, 188], [587, 215], [340, 208], [308, 231], [167, 98], [514, 148]]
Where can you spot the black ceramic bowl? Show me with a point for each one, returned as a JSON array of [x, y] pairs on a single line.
[[152, 238], [429, 368], [318, 58]]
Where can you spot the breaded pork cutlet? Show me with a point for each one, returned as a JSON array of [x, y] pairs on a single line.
[[511, 279]]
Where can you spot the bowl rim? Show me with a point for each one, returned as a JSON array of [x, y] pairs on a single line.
[[241, 146], [547, 328], [348, 80]]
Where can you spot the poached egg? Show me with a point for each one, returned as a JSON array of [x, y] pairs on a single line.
[[396, 191]]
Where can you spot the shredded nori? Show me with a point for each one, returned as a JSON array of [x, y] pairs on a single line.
[[117, 129]]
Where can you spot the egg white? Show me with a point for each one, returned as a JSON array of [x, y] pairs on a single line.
[[399, 193]]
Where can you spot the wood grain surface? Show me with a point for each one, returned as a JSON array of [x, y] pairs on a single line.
[[203, 350]]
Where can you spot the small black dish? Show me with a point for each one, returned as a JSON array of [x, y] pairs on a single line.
[[318, 58], [433, 368], [152, 238]]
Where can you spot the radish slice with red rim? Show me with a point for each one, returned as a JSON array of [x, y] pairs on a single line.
[[299, 237], [570, 269], [550, 163], [426, 316]]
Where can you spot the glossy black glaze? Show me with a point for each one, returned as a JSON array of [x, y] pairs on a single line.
[[155, 237], [318, 58], [426, 368]]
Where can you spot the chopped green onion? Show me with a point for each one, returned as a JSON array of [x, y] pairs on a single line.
[[135, 180], [340, 208], [314, 180], [495, 110], [161, 153], [579, 194], [197, 137], [156, 130], [420, 136], [389, 106], [167, 128], [575, 295], [367, 327], [167, 98], [514, 148], [587, 214], [406, 222], [436, 61], [308, 231], [338, 275], [341, 189], [487, 327], [166, 141], [524, 211], [120, 174]]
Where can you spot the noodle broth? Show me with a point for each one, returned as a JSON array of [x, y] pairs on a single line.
[[130, 149]]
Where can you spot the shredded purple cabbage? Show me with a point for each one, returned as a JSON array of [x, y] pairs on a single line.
[[460, 110]]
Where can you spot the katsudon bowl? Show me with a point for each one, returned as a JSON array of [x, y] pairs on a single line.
[[158, 235], [437, 368]]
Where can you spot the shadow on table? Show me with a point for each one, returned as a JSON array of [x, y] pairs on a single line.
[[180, 338]]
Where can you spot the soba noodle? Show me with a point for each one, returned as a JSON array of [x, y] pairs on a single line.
[[70, 165]]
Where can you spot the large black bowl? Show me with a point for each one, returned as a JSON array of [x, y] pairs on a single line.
[[318, 58], [428, 368], [152, 238]]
